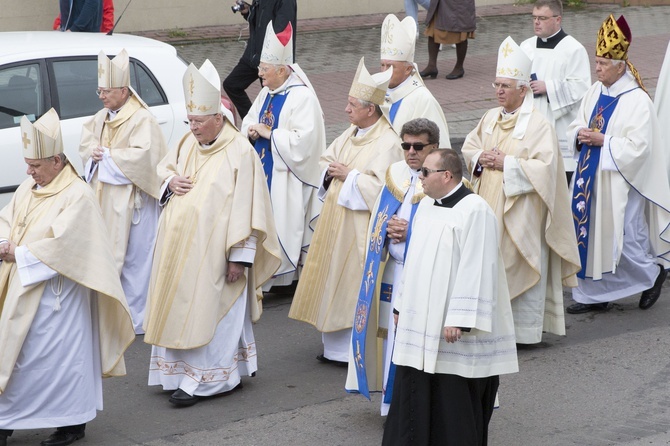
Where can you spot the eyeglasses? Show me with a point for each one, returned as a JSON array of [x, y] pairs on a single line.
[[542, 18], [105, 91], [426, 171], [418, 146], [265, 69], [498, 85], [197, 124]]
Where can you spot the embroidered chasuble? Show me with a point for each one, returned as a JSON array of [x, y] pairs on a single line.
[[188, 292], [536, 235], [60, 225], [328, 288]]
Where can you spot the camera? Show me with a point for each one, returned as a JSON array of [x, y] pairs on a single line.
[[238, 6]]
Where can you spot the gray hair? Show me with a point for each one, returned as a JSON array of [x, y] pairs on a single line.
[[365, 104]]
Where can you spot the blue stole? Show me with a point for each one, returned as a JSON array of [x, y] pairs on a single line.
[[394, 109], [391, 378], [269, 116], [388, 206], [585, 175]]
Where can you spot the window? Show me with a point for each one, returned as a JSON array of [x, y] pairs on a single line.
[[145, 85], [76, 81], [20, 94]]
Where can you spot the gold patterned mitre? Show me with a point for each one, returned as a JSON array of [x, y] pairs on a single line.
[[614, 38], [398, 39], [114, 73], [371, 88], [513, 63], [202, 90], [278, 48], [41, 139]]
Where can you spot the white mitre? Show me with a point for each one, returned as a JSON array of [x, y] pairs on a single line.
[[278, 48], [41, 139], [114, 73], [202, 90], [371, 88], [398, 39], [513, 63]]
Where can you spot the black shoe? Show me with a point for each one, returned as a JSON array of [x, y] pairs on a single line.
[[182, 399], [62, 438], [456, 75], [331, 361], [650, 296], [431, 74], [585, 308]]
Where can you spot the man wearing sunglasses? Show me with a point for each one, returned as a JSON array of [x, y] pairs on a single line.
[[517, 168], [391, 218], [454, 328]]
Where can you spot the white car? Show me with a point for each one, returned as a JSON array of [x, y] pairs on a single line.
[[40, 70]]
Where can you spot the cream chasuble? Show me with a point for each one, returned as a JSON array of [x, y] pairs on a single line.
[[59, 224], [328, 287], [536, 221], [136, 145], [188, 291]]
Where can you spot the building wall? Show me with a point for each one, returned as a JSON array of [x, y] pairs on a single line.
[[145, 15]]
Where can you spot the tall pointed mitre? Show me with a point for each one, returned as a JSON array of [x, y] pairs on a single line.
[[371, 88], [278, 48], [614, 39], [114, 73], [398, 39], [202, 90], [513, 63], [41, 139]]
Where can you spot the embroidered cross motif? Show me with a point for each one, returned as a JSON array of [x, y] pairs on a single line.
[[25, 140], [507, 50]]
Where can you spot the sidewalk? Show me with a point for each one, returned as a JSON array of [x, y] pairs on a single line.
[[328, 50]]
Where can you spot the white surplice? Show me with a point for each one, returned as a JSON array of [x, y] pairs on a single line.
[[57, 379], [566, 71]]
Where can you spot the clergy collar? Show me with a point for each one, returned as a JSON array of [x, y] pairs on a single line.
[[457, 194], [361, 132], [292, 80], [209, 144], [506, 114], [625, 83], [112, 113], [400, 85], [551, 41]]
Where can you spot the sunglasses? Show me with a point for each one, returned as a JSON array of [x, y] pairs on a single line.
[[418, 146], [426, 171]]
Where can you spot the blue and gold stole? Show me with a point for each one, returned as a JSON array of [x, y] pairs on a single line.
[[388, 206], [269, 116], [585, 175]]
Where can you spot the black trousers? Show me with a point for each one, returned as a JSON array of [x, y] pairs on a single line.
[[237, 82], [439, 409]]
